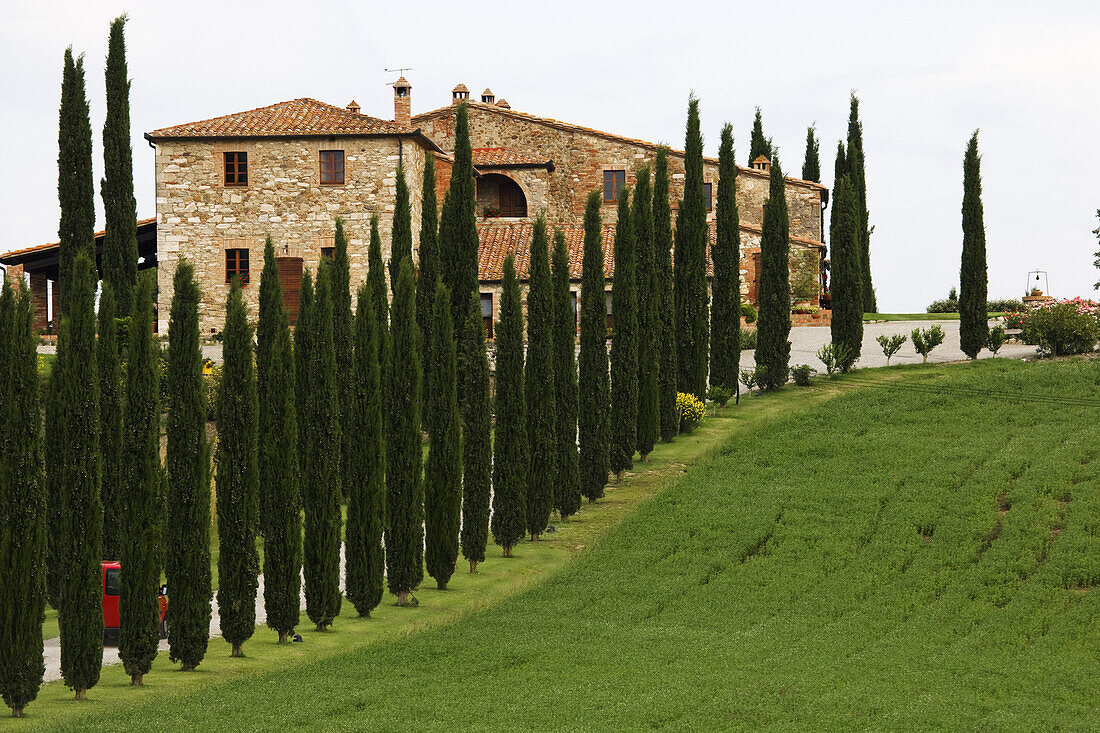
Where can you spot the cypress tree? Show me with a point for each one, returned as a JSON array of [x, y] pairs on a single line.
[[477, 449], [81, 616], [648, 299], [342, 339], [427, 257], [458, 243], [594, 390], [690, 275], [139, 609], [364, 471], [773, 349], [402, 242], [624, 343], [443, 478], [376, 280], [668, 368], [22, 507], [725, 317], [840, 170], [758, 144], [187, 564], [321, 487], [304, 332], [238, 478], [56, 518], [856, 163], [110, 423], [278, 455], [567, 481], [847, 293], [973, 280], [120, 253], [811, 164], [404, 487], [511, 459], [75, 190], [539, 385]]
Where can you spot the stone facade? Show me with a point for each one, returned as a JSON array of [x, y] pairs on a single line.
[[198, 217]]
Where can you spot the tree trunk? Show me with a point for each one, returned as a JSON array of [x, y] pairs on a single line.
[[534, 536], [473, 566], [507, 550], [81, 694], [137, 680], [282, 637], [17, 712], [236, 651], [645, 457], [188, 668], [441, 585], [403, 598]]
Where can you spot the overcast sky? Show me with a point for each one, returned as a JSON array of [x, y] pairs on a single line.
[[927, 75]]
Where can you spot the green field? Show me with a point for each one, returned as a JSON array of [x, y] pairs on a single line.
[[917, 552]]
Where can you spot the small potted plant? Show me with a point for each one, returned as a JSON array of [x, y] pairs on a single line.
[[490, 212]]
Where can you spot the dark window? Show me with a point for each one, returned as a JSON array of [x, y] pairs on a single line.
[[487, 313], [236, 263], [573, 293], [332, 167], [236, 169], [612, 182], [707, 192], [610, 318], [329, 252], [111, 584]]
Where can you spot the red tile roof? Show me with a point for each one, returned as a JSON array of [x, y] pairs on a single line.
[[16, 254], [297, 117], [507, 158]]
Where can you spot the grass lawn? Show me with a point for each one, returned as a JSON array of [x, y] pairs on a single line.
[[918, 316], [911, 554]]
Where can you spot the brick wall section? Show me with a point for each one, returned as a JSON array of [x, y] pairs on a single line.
[[199, 218]]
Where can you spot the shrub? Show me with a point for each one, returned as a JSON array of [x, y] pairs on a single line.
[[719, 395], [748, 378], [1003, 306], [210, 384], [691, 411], [1015, 318], [950, 304], [926, 339], [996, 339], [802, 374], [1068, 327], [748, 339], [748, 313], [891, 344], [836, 358]]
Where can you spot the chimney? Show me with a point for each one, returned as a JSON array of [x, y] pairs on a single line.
[[459, 94], [503, 103], [761, 163], [487, 96], [353, 107], [402, 101]]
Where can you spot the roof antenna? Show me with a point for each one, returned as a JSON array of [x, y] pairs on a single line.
[[400, 72]]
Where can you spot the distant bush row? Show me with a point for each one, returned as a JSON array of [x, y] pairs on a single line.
[[950, 304]]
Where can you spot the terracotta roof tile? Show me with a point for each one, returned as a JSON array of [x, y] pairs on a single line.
[[507, 157], [16, 253], [303, 116]]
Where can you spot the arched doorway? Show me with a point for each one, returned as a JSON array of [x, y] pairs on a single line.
[[500, 193]]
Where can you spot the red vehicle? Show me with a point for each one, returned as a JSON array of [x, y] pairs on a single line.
[[110, 602]]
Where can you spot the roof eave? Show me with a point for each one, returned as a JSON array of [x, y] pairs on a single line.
[[416, 134]]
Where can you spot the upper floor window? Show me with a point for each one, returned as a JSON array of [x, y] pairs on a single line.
[[328, 253], [332, 167], [612, 182], [487, 313], [236, 263], [708, 193], [236, 169]]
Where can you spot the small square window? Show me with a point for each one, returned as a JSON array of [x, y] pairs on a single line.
[[236, 264], [612, 182], [707, 189], [332, 167], [487, 313], [236, 169], [328, 253]]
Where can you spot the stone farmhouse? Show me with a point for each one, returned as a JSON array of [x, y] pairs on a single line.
[[290, 169]]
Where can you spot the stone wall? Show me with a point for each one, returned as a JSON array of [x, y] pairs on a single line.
[[200, 218]]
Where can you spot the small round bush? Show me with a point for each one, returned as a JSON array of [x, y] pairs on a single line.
[[691, 410], [802, 374], [719, 395], [748, 313]]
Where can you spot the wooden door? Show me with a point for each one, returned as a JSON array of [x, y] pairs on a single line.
[[290, 278]]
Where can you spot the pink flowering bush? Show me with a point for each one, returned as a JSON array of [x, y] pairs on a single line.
[[1070, 326]]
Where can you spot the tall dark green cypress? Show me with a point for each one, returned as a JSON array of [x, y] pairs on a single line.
[[427, 257], [477, 448], [648, 299], [139, 610], [539, 385], [402, 242], [725, 316], [811, 163], [443, 474], [321, 486], [278, 455], [342, 336], [22, 507], [624, 342], [187, 565], [376, 280], [56, 518], [973, 278], [511, 457], [238, 478], [857, 164], [567, 480], [840, 170], [404, 485], [773, 330], [458, 243], [758, 144], [668, 370], [594, 420], [75, 189], [110, 423], [304, 332], [81, 616], [120, 254], [364, 475], [846, 291], [690, 275]]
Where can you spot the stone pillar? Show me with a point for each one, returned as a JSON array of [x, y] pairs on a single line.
[[15, 275], [39, 299]]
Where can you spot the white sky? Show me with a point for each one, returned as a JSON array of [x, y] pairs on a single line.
[[927, 74]]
